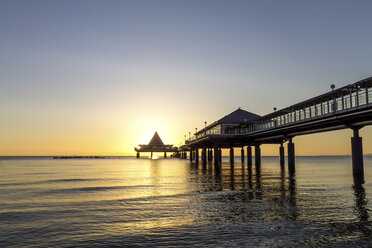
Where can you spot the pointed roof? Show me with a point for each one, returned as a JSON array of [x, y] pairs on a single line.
[[156, 140], [238, 116]]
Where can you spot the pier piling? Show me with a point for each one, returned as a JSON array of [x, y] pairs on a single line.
[[357, 155], [281, 154], [196, 155], [249, 156], [216, 155], [257, 155], [291, 156], [204, 155], [231, 155], [242, 155]]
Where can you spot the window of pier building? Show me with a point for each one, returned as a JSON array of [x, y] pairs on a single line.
[[230, 129], [214, 130]]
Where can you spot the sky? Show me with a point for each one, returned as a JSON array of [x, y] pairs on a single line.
[[99, 77]]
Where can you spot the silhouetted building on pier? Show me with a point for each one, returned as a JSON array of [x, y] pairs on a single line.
[[155, 145]]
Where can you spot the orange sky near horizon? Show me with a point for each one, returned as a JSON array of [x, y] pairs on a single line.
[[113, 139]]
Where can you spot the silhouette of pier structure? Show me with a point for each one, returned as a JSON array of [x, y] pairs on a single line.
[[155, 145], [349, 107]]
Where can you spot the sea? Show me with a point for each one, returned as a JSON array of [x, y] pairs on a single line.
[[129, 202]]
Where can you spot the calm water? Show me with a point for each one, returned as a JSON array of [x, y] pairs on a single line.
[[141, 202]]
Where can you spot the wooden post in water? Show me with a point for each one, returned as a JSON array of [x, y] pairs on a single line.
[[357, 156], [204, 155], [216, 155], [196, 155], [231, 155], [291, 156], [257, 155], [249, 156], [281, 155], [242, 154]]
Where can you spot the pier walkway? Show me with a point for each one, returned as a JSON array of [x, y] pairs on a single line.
[[349, 107]]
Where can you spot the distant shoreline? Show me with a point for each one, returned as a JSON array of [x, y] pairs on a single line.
[[118, 157]]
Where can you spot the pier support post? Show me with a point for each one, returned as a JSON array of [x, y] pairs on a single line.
[[220, 155], [242, 155], [204, 155], [138, 155], [249, 156], [257, 155], [357, 156], [231, 155], [190, 155], [196, 155], [165, 154], [216, 155], [209, 158], [281, 155], [151, 156], [291, 156]]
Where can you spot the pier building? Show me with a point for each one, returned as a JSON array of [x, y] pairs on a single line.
[[155, 145]]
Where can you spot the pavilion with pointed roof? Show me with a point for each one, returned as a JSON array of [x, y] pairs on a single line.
[[155, 145], [222, 132]]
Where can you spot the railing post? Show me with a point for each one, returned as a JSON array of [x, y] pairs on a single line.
[[351, 99], [367, 100], [343, 102]]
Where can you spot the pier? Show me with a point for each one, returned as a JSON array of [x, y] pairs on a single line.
[[349, 107]]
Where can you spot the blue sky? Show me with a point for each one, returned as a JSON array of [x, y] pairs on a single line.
[[67, 66]]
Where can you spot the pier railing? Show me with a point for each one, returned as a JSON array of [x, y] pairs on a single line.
[[343, 100]]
